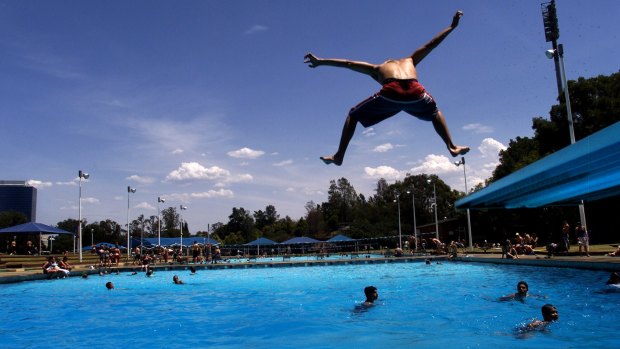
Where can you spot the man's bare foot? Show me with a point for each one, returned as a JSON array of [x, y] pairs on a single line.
[[331, 160], [458, 150]]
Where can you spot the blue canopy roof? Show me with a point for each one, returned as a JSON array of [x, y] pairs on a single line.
[[587, 170], [340, 238], [262, 241], [177, 241], [33, 228], [300, 240], [106, 244]]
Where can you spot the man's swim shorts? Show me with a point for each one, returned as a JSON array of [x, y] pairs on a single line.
[[396, 96]]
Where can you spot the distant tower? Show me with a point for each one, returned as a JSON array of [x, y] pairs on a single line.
[[19, 196]]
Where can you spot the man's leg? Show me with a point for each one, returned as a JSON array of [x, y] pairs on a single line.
[[347, 133], [441, 127]]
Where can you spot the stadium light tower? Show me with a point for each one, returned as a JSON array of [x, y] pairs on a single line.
[[552, 33], [81, 175], [159, 200], [400, 236], [435, 204], [459, 163], [129, 191]]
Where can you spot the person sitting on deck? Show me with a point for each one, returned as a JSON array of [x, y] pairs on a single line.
[[615, 253], [64, 263], [51, 268]]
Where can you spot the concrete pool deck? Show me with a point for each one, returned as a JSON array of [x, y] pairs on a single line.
[[595, 262]]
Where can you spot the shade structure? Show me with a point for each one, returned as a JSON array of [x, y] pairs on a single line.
[[177, 241], [261, 241], [300, 240], [106, 244], [33, 228], [340, 238], [587, 170]]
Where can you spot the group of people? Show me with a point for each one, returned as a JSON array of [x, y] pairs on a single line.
[[581, 235], [108, 256], [523, 244], [549, 311], [57, 267]]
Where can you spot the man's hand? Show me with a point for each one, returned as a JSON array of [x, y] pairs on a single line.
[[456, 18], [312, 60]]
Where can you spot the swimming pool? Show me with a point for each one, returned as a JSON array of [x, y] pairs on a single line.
[[297, 258], [450, 305]]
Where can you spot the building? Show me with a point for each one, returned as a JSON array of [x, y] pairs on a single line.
[[19, 196]]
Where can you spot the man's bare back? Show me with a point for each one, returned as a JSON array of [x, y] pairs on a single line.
[[401, 69]]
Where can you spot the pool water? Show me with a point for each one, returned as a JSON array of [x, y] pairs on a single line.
[[448, 305]]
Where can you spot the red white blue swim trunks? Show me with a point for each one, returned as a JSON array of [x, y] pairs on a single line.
[[396, 96]]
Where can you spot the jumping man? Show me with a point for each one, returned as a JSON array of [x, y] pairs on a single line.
[[401, 92]]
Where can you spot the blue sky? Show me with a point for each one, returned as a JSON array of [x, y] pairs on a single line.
[[208, 103]]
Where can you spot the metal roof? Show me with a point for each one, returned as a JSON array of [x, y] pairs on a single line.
[[587, 170]]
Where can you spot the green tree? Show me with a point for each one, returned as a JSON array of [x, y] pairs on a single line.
[[12, 218]]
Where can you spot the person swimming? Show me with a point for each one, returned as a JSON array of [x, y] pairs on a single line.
[[520, 295], [371, 296], [549, 313]]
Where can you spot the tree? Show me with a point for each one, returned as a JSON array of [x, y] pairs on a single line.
[[12, 218], [266, 218], [520, 153], [171, 221], [241, 223]]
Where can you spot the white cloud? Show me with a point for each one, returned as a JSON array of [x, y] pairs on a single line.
[[177, 151], [185, 197], [241, 178], [90, 200], [387, 172], [140, 179], [369, 132], [39, 184], [435, 164], [284, 163], [383, 148], [478, 128], [73, 183], [246, 153], [145, 206], [491, 148], [256, 29], [194, 170]]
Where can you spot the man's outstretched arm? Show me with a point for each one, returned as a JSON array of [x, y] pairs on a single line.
[[424, 50], [360, 67]]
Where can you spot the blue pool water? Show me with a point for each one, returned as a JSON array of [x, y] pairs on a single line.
[[448, 305]]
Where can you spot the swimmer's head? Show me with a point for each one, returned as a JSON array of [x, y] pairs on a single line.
[[522, 287], [549, 312], [109, 285], [371, 293]]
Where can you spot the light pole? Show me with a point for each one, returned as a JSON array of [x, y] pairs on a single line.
[[159, 199], [435, 204], [181, 222], [80, 176], [458, 163], [92, 237], [415, 226], [400, 238], [552, 33], [129, 191]]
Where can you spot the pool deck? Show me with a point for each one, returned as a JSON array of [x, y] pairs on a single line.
[[595, 262]]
